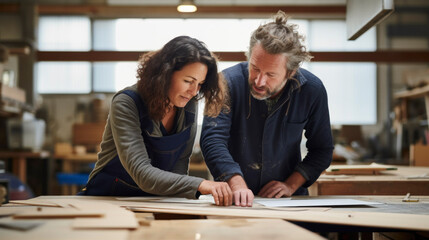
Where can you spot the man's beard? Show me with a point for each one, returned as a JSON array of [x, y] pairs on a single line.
[[268, 93]]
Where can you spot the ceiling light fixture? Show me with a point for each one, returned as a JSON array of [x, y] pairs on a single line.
[[187, 6]]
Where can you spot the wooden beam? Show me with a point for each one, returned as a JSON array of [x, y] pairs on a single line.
[[9, 8], [391, 56], [170, 11], [335, 11], [385, 56], [91, 56]]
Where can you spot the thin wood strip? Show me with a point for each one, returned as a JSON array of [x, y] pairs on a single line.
[[35, 202], [57, 213], [371, 169]]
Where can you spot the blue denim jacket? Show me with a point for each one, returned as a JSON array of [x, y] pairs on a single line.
[[264, 146]]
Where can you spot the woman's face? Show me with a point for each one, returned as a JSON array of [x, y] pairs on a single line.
[[186, 83]]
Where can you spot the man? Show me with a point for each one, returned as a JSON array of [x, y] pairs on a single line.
[[255, 146]]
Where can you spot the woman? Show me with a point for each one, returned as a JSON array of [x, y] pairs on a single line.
[[151, 126]]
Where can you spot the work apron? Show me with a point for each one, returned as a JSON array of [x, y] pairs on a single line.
[[114, 180]]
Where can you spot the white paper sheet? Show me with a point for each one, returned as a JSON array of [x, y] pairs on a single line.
[[288, 202]]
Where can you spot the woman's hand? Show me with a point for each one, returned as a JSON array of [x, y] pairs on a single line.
[[221, 192]]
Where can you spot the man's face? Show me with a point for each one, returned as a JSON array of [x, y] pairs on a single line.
[[267, 73]]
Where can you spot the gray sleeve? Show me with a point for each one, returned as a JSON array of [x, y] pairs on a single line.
[[132, 152]]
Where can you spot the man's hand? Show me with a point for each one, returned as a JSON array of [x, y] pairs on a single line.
[[243, 196], [277, 189], [220, 191]]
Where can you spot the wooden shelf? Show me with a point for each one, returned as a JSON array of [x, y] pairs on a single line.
[[402, 111], [12, 100], [414, 93]]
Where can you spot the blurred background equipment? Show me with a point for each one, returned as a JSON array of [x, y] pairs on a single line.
[[4, 183], [26, 133], [11, 188]]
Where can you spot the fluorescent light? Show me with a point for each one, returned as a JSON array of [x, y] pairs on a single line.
[[187, 6]]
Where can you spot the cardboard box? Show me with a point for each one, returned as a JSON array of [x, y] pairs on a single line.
[[88, 135], [419, 155]]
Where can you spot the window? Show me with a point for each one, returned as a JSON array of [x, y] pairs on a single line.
[[349, 85], [351, 88], [145, 34], [113, 76], [64, 33], [63, 77], [128, 35], [330, 35]]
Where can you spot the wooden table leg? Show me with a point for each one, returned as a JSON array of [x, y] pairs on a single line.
[[67, 168], [19, 166], [65, 190]]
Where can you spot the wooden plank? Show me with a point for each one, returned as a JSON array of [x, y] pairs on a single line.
[[35, 202], [54, 229], [343, 187], [381, 218], [114, 217], [224, 229], [371, 169], [57, 213], [347, 218], [405, 179]]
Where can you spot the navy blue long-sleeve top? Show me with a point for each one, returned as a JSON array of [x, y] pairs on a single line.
[[262, 146]]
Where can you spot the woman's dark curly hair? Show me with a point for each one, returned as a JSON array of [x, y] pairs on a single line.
[[156, 69]]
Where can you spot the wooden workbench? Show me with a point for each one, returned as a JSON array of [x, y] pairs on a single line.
[[19, 161], [256, 222], [60, 225]]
